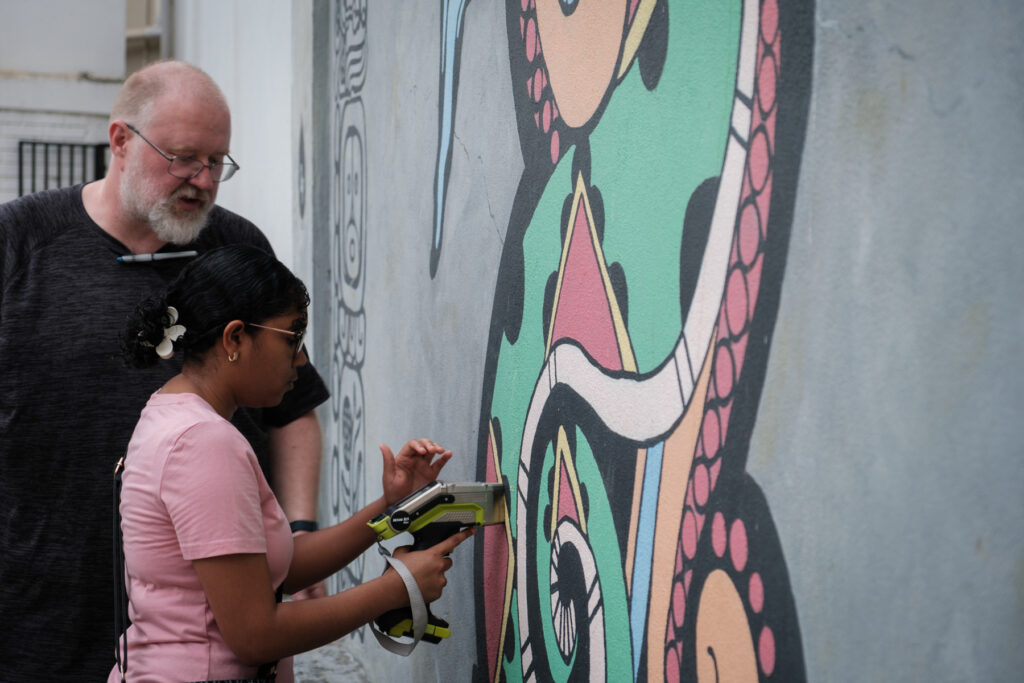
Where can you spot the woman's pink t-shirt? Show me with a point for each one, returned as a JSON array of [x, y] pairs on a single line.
[[192, 489]]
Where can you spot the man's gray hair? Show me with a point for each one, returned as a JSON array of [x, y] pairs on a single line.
[[143, 88]]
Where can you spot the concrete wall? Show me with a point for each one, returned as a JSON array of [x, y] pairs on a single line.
[[404, 351], [767, 429], [888, 440]]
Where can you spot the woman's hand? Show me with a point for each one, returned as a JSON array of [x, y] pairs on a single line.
[[415, 466], [429, 566]]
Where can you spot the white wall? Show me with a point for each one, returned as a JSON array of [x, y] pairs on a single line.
[[63, 37], [246, 48], [61, 63]]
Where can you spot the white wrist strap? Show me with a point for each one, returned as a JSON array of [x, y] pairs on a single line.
[[419, 612]]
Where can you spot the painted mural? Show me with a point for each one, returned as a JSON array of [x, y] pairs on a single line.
[[633, 315], [345, 436]]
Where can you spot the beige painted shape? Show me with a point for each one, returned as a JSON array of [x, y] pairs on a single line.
[[725, 648], [581, 51]]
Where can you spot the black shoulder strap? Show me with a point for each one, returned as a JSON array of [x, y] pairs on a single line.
[[120, 586]]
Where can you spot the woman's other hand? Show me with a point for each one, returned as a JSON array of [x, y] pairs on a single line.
[[417, 464]]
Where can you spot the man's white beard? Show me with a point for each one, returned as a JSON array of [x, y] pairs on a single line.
[[140, 201]]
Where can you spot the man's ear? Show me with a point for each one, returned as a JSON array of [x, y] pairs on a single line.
[[118, 132]]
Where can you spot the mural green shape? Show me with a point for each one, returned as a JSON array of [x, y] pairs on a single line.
[[627, 347]]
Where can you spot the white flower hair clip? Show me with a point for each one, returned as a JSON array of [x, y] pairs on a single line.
[[165, 349]]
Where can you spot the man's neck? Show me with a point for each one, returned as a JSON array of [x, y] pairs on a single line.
[[104, 208]]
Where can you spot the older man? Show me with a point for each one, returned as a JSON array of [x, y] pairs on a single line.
[[72, 264]]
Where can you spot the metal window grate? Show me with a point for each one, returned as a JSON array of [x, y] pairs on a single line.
[[45, 165]]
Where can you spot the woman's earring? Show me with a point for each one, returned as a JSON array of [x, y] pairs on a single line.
[[233, 357]]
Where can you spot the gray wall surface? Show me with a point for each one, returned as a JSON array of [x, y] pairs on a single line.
[[882, 436], [412, 352], [888, 439]]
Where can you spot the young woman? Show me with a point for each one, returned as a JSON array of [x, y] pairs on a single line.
[[206, 545]]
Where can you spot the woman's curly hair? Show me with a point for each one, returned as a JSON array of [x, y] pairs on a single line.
[[228, 283]]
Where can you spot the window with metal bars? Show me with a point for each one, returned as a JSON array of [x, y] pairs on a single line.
[[45, 165]]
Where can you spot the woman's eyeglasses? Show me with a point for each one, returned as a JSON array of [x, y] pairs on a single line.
[[296, 337]]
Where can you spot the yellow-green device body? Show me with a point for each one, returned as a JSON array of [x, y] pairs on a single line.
[[453, 506], [432, 514]]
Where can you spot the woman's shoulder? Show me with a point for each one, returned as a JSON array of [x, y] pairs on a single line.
[[206, 456], [193, 427]]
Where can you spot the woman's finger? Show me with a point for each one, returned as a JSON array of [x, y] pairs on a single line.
[[452, 542], [389, 459], [440, 462]]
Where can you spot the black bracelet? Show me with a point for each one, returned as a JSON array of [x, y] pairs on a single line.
[[303, 525]]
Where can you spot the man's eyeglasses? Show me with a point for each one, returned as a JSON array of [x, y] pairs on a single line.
[[296, 337], [187, 168]]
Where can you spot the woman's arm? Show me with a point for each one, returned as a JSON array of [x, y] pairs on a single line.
[[321, 553], [258, 629]]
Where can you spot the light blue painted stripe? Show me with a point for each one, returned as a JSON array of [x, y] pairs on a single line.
[[452, 13], [644, 552]]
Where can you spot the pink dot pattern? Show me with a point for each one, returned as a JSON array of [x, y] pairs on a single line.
[[540, 97], [729, 538], [766, 650], [755, 589]]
